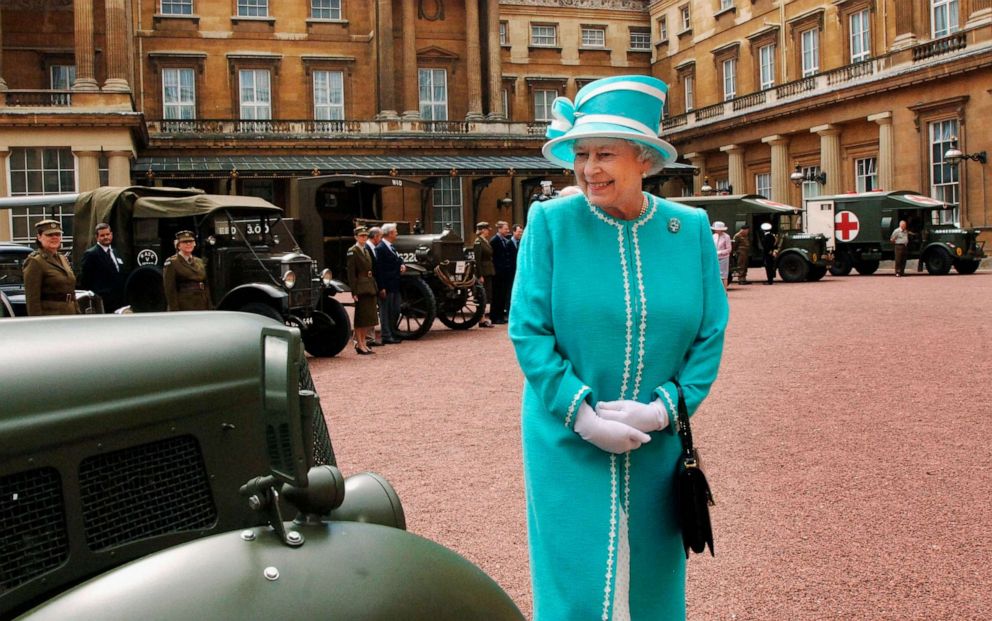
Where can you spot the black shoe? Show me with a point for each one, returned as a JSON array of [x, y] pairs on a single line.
[[373, 343], [362, 352], [499, 322], [391, 341]]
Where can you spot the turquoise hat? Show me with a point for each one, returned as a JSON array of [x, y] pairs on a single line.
[[628, 107]]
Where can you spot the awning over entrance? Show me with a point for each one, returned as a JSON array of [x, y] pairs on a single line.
[[414, 165]]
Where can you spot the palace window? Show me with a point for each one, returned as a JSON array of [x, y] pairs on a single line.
[[811, 189], [328, 95], [177, 7], [542, 105], [593, 37], [253, 8], [33, 171], [763, 184], [860, 36], [688, 87], [325, 9], [766, 66], [640, 39], [663, 28], [729, 79], [504, 36], [544, 35], [686, 18], [726, 5], [255, 94], [61, 77], [865, 174], [810, 47], [447, 195], [945, 183], [944, 17], [178, 94], [433, 94]]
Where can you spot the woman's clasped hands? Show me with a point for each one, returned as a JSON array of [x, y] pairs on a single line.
[[619, 426]]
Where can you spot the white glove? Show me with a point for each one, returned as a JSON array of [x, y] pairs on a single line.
[[607, 435], [643, 417]]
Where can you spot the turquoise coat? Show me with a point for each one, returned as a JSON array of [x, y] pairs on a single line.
[[607, 309]]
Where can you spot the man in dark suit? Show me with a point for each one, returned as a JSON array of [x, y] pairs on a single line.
[[375, 236], [388, 269], [503, 260], [102, 271], [514, 247]]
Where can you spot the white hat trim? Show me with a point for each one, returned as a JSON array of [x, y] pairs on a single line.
[[614, 120], [626, 86]]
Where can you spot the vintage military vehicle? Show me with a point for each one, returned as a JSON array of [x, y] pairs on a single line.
[[801, 256], [160, 481], [12, 282], [859, 226]]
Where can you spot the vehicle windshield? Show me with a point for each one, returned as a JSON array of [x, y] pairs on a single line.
[[10, 270], [256, 229]]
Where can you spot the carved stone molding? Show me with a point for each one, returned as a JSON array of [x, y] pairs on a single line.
[[628, 5], [37, 5]]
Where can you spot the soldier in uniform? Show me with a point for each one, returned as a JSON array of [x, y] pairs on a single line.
[[484, 265], [363, 289], [742, 252], [186, 277], [768, 252], [49, 284]]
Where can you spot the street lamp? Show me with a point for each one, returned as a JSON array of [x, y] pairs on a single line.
[[798, 176], [954, 155], [505, 203]]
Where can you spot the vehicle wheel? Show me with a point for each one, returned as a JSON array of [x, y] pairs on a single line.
[[842, 265], [866, 268], [460, 309], [263, 309], [963, 266], [144, 290], [939, 262], [417, 308], [816, 272], [329, 331], [793, 268]]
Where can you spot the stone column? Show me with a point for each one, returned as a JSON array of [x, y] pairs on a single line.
[[829, 156], [119, 165], [735, 168], [387, 65], [905, 26], [699, 161], [496, 111], [85, 49], [473, 62], [117, 47], [780, 167], [89, 170], [411, 77], [981, 13], [886, 150]]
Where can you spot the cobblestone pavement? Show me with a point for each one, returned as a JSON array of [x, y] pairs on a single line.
[[847, 440]]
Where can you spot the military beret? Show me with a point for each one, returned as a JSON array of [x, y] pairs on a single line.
[[361, 230], [185, 236], [48, 226], [482, 225]]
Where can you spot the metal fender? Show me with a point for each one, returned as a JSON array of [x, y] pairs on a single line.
[[413, 270], [253, 292], [343, 570]]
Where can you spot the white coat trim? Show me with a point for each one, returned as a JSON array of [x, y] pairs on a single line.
[[572, 406]]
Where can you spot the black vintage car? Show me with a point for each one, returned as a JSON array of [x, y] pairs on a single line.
[[12, 283]]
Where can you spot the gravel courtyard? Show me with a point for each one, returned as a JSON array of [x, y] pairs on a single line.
[[848, 442]]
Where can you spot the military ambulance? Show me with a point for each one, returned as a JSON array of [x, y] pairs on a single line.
[[858, 227], [801, 256]]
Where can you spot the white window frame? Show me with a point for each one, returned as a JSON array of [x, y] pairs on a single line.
[[688, 87], [543, 98], [178, 93], [640, 40], [810, 48], [176, 7], [433, 93], [663, 28], [865, 174], [944, 17], [253, 8], [722, 186], [686, 14], [726, 5], [811, 189], [766, 66], [326, 9], [593, 36], [328, 95], [860, 26], [61, 77], [35, 171], [255, 94], [504, 33], [447, 205], [729, 70], [763, 184], [945, 180], [543, 35]]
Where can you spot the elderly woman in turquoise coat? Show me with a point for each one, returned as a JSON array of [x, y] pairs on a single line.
[[617, 295]]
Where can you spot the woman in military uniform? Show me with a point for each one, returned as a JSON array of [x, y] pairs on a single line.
[[484, 264], [363, 290], [49, 284], [186, 277]]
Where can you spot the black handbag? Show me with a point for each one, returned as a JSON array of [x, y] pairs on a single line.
[[692, 492]]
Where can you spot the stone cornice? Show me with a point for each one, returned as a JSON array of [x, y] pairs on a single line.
[[623, 5]]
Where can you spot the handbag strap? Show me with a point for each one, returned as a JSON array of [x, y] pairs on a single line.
[[685, 432]]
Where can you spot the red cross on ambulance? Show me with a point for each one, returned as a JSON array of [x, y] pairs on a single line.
[[846, 226]]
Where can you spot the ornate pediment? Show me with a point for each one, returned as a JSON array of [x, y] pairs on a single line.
[[433, 52]]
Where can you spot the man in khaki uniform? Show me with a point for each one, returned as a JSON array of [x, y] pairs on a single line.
[[484, 265], [742, 252], [49, 284], [186, 277]]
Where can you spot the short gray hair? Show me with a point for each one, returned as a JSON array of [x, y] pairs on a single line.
[[374, 232], [388, 228], [650, 155]]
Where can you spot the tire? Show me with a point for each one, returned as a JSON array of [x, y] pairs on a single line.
[[460, 309], [417, 308], [866, 268], [939, 262], [793, 268], [842, 265], [329, 330], [964, 266], [816, 272], [263, 309]]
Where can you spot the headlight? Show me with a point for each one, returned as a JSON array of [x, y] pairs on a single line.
[[289, 279], [326, 277], [212, 240]]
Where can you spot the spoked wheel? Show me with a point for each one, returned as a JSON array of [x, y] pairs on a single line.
[[417, 308], [460, 309]]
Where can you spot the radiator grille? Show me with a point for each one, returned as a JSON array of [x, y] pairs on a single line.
[[32, 526], [144, 491]]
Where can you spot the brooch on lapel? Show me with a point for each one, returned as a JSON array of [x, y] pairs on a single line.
[[674, 224]]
